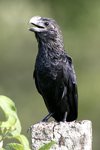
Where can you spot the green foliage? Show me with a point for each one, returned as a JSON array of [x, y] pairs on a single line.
[[12, 122], [47, 146], [16, 146], [7, 148], [11, 128]]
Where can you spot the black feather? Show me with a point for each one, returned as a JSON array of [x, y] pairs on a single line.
[[54, 72]]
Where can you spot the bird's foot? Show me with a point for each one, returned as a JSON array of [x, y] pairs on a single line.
[[74, 121], [47, 117], [29, 128], [32, 126], [64, 121], [44, 120], [65, 116]]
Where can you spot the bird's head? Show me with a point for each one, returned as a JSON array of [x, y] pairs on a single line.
[[46, 29]]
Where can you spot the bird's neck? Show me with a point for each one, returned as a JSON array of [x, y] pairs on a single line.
[[53, 48]]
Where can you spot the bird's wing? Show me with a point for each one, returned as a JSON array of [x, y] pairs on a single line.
[[71, 85], [36, 81]]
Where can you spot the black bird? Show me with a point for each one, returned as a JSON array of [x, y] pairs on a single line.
[[54, 72]]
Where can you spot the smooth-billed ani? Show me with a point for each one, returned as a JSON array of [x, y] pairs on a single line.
[[54, 72]]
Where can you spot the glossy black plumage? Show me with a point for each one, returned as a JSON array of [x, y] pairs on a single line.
[[54, 72]]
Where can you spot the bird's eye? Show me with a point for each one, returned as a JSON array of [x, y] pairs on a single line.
[[46, 23]]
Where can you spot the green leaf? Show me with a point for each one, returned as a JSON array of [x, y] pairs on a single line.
[[47, 146], [7, 148], [10, 111], [3, 149], [1, 142], [24, 141], [16, 146]]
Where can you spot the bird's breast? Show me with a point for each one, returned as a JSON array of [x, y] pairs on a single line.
[[48, 68]]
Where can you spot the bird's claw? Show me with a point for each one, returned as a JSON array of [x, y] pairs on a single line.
[[32, 126], [29, 128], [44, 120]]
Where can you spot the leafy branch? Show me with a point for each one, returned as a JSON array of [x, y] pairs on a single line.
[[11, 128]]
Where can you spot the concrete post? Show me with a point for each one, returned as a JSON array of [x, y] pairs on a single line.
[[68, 136]]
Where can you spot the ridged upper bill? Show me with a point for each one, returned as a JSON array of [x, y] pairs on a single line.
[[36, 21]]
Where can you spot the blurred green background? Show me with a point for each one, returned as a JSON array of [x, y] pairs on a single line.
[[80, 25]]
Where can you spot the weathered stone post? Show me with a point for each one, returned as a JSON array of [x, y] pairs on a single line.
[[68, 136]]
